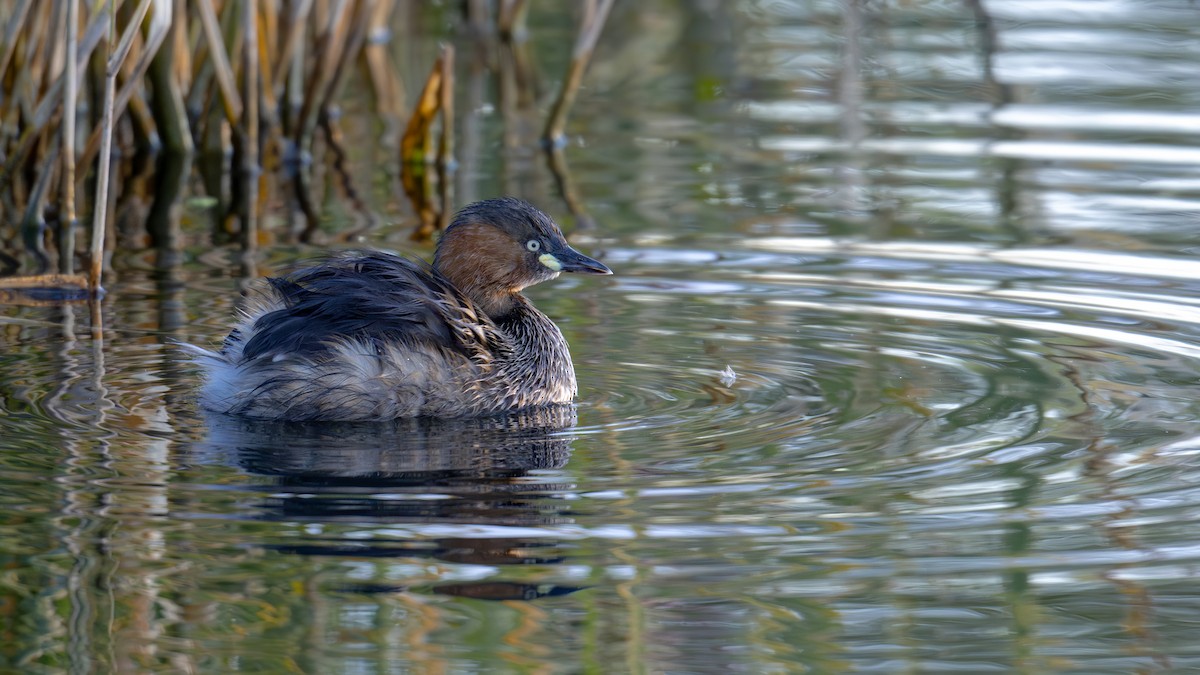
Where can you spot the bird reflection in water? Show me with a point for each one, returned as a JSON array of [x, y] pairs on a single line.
[[374, 474]]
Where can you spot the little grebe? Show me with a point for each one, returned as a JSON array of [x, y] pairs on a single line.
[[374, 336]]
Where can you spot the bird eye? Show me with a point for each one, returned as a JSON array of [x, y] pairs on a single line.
[[533, 244]]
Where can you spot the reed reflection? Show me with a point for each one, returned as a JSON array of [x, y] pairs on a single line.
[[425, 473]]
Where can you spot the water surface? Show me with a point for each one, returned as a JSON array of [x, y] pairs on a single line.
[[897, 372]]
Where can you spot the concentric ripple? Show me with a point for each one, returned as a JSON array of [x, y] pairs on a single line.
[[915, 421], [998, 346], [838, 431]]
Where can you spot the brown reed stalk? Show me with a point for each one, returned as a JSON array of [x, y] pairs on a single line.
[[328, 54], [67, 287], [416, 143], [291, 42], [351, 46], [511, 19], [160, 25], [389, 94], [196, 82], [15, 22], [268, 28], [593, 22], [117, 60], [218, 57], [48, 106], [415, 152], [268, 31], [50, 57], [181, 53], [44, 46], [170, 117], [445, 162], [330, 46]]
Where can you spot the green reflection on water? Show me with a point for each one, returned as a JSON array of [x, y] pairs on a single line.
[[930, 457]]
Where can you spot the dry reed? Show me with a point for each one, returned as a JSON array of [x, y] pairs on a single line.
[[87, 85]]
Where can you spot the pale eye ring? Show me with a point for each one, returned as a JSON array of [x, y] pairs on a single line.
[[533, 244]]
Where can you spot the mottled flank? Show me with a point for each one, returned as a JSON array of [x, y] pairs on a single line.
[[375, 336]]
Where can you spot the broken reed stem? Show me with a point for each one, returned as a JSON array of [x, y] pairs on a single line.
[[414, 146], [416, 152], [445, 162], [66, 236], [585, 45]]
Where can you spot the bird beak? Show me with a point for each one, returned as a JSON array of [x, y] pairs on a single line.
[[570, 260]]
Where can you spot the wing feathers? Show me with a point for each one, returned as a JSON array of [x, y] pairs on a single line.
[[372, 297]]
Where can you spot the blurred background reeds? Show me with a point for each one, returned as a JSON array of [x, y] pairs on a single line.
[[238, 105]]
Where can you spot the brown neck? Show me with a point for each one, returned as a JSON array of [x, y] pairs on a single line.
[[476, 259], [495, 305]]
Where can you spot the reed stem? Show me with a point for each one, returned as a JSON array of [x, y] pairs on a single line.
[[291, 42], [589, 33], [67, 217], [100, 208], [278, 68], [10, 32], [445, 163], [249, 168], [219, 58]]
